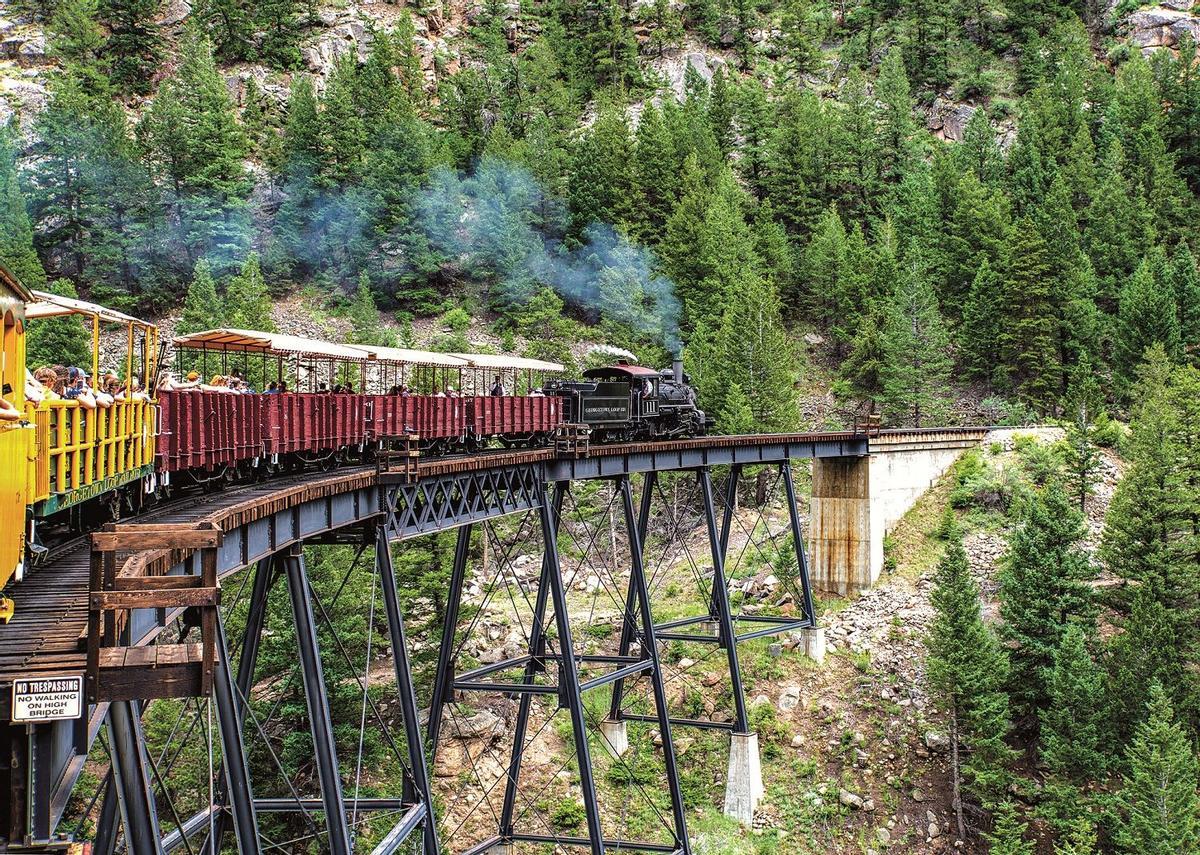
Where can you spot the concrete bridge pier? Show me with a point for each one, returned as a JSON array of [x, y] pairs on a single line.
[[857, 500]]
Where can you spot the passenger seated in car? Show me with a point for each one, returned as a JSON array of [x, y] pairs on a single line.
[[50, 383], [76, 389], [272, 388]]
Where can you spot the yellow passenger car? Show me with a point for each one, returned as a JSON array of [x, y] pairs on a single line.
[[71, 461], [97, 461], [16, 435]]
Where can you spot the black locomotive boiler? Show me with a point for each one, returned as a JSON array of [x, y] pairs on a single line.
[[623, 402]]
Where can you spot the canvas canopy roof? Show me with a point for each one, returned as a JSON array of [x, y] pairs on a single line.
[[628, 370], [488, 360], [47, 305], [252, 341], [411, 357], [9, 279]]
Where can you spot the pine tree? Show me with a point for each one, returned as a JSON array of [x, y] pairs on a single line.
[[92, 202], [736, 416], [1080, 839], [1008, 834], [344, 138], [1028, 171], [1030, 333], [248, 300], [897, 128], [229, 25], [197, 147], [1142, 527], [800, 40], [1159, 807], [859, 159], [134, 47], [753, 352], [773, 247], [1148, 315], [799, 167], [721, 110], [1146, 653], [77, 41], [201, 309], [979, 333], [408, 61], [1137, 118], [667, 27], [966, 670], [365, 327], [280, 24], [302, 152], [866, 366], [59, 341], [1118, 228], [821, 265], [16, 234], [601, 183], [1150, 531], [709, 250], [1079, 168], [917, 370], [979, 151], [1043, 589], [754, 120], [610, 46], [656, 177], [1183, 281], [977, 229], [1073, 725], [1179, 85]]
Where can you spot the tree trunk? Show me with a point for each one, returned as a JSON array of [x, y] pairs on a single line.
[[956, 776]]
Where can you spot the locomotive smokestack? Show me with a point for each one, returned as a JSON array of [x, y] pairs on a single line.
[[677, 369]]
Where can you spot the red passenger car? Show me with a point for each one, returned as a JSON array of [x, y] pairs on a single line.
[[437, 397]]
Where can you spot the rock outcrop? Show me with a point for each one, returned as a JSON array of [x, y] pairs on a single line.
[[1163, 26]]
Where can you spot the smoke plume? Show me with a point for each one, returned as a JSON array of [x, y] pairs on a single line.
[[499, 221]]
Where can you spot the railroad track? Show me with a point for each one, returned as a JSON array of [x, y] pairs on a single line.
[[47, 633]]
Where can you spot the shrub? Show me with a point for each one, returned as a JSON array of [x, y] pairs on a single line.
[[1042, 462], [636, 766], [567, 814], [1107, 432]]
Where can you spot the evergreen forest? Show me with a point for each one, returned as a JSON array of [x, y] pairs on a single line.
[[938, 211]]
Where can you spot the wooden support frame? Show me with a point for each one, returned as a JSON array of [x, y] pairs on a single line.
[[118, 672]]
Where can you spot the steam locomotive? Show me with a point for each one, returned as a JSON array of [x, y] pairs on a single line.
[[623, 403]]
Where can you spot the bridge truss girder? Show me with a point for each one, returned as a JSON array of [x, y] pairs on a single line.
[[461, 501]]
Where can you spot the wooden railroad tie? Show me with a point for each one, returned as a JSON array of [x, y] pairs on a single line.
[[120, 670]]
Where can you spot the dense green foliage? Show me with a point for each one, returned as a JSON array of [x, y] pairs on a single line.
[[918, 261]]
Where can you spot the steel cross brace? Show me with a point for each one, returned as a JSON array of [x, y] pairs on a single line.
[[317, 699], [422, 798], [719, 611], [569, 689]]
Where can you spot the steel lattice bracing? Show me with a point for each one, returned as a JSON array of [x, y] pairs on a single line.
[[469, 496]]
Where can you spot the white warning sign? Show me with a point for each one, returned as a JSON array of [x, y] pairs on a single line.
[[47, 698]]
